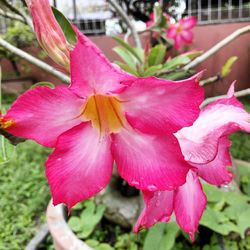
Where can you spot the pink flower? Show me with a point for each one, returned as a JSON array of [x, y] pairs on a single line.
[[107, 115], [181, 32], [206, 148], [48, 32]]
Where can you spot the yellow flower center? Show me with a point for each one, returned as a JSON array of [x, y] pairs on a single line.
[[105, 113], [179, 29]]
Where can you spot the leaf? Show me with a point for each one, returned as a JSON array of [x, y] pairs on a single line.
[[75, 223], [175, 75], [66, 27], [244, 222], [47, 84], [227, 67], [127, 68], [176, 62], [126, 56], [104, 246], [152, 70], [154, 237], [193, 54], [171, 232], [217, 222], [7, 150], [156, 55], [129, 48]]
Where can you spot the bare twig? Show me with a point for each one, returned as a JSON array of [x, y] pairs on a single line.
[[38, 238], [19, 12], [240, 93], [11, 16], [34, 61], [210, 80], [126, 19], [217, 47]]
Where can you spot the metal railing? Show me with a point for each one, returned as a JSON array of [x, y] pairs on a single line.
[[216, 12]]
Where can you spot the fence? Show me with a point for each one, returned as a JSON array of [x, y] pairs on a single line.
[[219, 11]]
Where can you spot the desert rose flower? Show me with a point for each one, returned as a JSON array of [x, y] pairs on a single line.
[[206, 148], [107, 115], [181, 32], [48, 32]]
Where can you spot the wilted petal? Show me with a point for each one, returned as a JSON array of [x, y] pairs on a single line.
[[158, 208], [199, 143], [49, 33], [80, 166], [161, 106], [188, 22], [189, 204], [216, 172], [91, 72], [149, 162], [42, 114]]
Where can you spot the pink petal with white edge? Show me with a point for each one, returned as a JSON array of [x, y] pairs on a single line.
[[42, 114], [216, 172], [187, 36], [160, 106], [189, 204], [80, 166], [159, 207], [199, 143], [188, 22], [149, 162], [91, 71]]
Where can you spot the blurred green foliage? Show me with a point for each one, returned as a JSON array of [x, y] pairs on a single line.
[[24, 195]]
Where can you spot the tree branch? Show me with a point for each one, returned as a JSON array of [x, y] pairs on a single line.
[[210, 80], [126, 19], [11, 16], [19, 12], [240, 93], [217, 47], [34, 61]]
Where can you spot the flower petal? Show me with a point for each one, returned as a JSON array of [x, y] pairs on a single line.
[[42, 114], [178, 41], [187, 36], [188, 22], [149, 162], [172, 31], [91, 72], [216, 172], [159, 207], [199, 143], [80, 166], [160, 106], [189, 204]]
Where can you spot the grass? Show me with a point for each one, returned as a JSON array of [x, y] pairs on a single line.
[[24, 195]]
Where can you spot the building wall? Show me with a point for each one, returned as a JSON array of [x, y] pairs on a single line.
[[205, 37]]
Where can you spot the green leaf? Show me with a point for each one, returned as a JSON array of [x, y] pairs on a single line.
[[152, 70], [126, 56], [227, 67], [75, 223], [154, 237], [171, 232], [176, 62], [244, 222], [104, 246], [156, 55], [66, 27], [129, 48], [7, 150], [127, 68], [175, 75], [39, 84], [193, 54]]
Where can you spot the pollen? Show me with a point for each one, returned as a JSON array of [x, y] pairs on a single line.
[[4, 124], [105, 113]]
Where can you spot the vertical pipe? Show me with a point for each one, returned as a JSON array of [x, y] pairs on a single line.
[[74, 9], [219, 10], [209, 17], [199, 10], [229, 9]]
